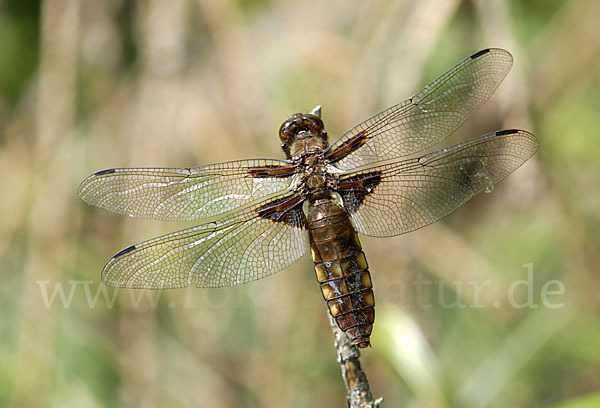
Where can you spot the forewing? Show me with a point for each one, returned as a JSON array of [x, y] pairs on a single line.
[[428, 117], [403, 196], [243, 247], [185, 194]]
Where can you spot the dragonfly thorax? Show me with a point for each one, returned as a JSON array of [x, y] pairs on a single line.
[[316, 176]]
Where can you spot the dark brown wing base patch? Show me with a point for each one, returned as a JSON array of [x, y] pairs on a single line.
[[286, 209], [356, 188], [349, 146], [272, 170]]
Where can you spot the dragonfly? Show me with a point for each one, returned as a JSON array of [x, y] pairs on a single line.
[[259, 216]]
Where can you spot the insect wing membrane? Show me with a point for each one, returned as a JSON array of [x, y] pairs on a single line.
[[428, 117], [403, 196], [185, 194]]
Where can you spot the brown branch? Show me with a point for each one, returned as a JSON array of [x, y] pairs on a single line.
[[357, 384]]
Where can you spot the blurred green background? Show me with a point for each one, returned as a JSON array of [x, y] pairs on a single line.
[[88, 85]]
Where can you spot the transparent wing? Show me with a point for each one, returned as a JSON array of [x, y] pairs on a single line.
[[185, 194], [403, 196], [245, 246], [428, 117]]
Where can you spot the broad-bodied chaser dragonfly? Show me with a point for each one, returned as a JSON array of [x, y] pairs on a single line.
[[262, 215]]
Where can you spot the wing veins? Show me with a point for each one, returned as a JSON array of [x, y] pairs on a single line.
[[403, 129]]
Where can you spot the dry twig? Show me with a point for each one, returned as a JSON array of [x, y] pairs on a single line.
[[357, 384]]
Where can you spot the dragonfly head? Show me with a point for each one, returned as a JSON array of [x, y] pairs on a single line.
[[303, 133]]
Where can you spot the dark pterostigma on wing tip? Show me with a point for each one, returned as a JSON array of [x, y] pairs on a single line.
[[124, 251], [103, 172], [480, 53], [506, 132]]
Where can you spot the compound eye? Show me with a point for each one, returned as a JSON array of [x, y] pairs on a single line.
[[314, 123], [286, 132]]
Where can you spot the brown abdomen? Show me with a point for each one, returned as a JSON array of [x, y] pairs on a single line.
[[341, 268]]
